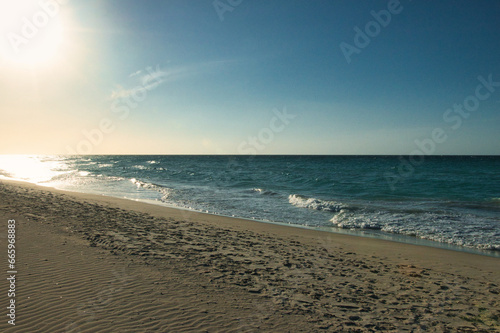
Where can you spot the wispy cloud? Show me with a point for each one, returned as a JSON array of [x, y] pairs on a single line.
[[150, 78], [136, 73], [143, 80]]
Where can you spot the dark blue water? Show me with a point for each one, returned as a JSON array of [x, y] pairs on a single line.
[[450, 200]]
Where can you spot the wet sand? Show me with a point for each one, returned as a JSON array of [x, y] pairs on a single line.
[[90, 263]]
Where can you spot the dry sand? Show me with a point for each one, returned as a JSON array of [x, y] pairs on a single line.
[[89, 263]]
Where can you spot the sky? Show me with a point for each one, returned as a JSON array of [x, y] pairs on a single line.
[[249, 77]]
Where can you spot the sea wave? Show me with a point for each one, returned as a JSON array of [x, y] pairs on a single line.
[[79, 178], [346, 220], [144, 167], [110, 178], [140, 167], [425, 225], [316, 204], [262, 191], [163, 190]]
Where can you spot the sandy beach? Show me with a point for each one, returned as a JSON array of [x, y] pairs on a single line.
[[90, 263]]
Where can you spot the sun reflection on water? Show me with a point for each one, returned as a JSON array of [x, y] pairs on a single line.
[[31, 168]]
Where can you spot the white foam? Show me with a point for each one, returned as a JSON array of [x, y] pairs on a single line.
[[140, 167], [424, 225], [262, 191], [316, 204], [165, 191]]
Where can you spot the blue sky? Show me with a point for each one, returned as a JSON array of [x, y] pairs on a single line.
[[206, 85]]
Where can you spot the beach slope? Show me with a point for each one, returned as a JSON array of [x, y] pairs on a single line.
[[89, 263]]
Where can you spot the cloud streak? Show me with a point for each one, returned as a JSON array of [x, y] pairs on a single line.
[[147, 79], [150, 79]]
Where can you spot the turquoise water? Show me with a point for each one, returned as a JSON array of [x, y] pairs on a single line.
[[448, 200]]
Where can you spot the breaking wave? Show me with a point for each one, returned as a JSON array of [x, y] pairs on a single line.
[[316, 204], [425, 225], [262, 191], [164, 191]]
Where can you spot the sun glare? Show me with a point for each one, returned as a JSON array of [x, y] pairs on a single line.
[[30, 168], [32, 31]]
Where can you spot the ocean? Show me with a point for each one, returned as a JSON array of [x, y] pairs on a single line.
[[443, 201]]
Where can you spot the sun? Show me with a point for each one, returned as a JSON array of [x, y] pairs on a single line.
[[32, 32]]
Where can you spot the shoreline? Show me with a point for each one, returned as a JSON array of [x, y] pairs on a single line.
[[219, 273], [398, 238]]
